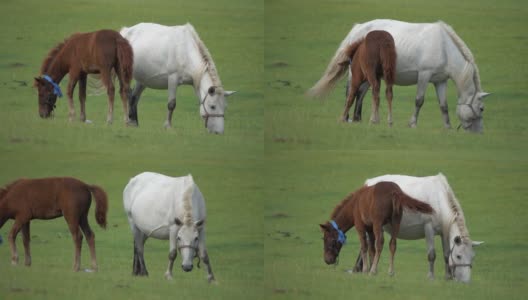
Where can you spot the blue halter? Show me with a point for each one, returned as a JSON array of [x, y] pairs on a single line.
[[56, 87], [341, 235]]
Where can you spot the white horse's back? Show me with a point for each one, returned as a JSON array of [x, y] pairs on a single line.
[[153, 201], [158, 52], [427, 53]]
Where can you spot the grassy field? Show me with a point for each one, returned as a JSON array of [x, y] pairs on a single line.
[[284, 161], [313, 160], [227, 168]]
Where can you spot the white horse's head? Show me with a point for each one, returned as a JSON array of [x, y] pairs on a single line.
[[470, 111], [187, 241], [213, 107], [461, 256]]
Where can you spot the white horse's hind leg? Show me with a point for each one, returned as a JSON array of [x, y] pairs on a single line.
[[133, 102], [441, 88], [140, 268], [171, 104], [423, 80]]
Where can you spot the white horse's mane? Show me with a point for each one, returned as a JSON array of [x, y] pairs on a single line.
[[187, 201], [468, 56], [209, 65], [458, 214]]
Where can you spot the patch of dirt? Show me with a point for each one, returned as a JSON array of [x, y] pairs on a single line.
[[19, 290], [18, 140], [280, 215], [291, 140], [279, 83], [279, 64], [16, 65]]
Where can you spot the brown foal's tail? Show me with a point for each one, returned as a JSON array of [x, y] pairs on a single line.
[[412, 204], [388, 60], [101, 204], [125, 58]]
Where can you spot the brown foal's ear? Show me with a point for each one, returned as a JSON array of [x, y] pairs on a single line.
[[323, 227], [37, 81]]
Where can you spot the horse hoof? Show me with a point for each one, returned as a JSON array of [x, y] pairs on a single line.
[[168, 276], [132, 123]]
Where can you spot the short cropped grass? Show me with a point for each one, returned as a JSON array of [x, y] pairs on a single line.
[[227, 168], [313, 160]]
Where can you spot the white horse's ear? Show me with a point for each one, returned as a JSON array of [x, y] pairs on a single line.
[[229, 93], [199, 223], [482, 95], [178, 222], [476, 243]]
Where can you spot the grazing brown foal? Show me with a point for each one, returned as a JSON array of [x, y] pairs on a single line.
[[370, 59], [368, 209], [79, 55], [49, 198]]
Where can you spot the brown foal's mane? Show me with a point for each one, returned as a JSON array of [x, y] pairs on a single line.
[[5, 189], [344, 202], [52, 54]]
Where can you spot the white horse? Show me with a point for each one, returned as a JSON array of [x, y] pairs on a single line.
[[427, 52], [164, 208], [447, 221], [168, 56]]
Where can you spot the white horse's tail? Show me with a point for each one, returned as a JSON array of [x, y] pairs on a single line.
[[464, 49], [337, 67]]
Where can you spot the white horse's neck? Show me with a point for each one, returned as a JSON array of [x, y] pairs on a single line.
[[463, 74], [465, 82], [455, 224], [202, 85]]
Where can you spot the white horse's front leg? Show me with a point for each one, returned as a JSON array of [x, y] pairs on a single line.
[[445, 246], [441, 88], [171, 104], [205, 258], [423, 80], [173, 252], [431, 254]]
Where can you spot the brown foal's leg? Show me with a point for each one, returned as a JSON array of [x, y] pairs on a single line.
[[106, 78], [388, 94], [374, 117], [124, 92], [90, 239], [74, 77], [73, 225], [12, 241], [82, 96], [363, 241], [26, 239], [378, 235]]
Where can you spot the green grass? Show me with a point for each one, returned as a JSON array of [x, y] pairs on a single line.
[[227, 168], [284, 161], [313, 160]]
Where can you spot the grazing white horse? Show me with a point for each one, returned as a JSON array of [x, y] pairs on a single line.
[[427, 52], [164, 208], [447, 221], [168, 56]]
